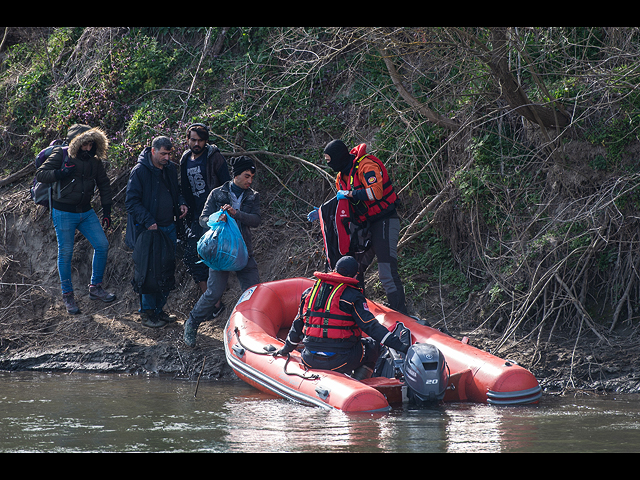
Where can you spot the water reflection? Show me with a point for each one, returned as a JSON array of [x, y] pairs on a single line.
[[271, 425], [48, 413], [483, 435]]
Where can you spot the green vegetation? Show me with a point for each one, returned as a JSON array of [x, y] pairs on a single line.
[[533, 187]]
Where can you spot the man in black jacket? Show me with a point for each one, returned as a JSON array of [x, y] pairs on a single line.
[[242, 203], [75, 177], [154, 202], [203, 169]]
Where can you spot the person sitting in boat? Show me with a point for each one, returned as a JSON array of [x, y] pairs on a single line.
[[333, 316]]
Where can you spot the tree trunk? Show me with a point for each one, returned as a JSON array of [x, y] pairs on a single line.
[[515, 95], [4, 39], [219, 45]]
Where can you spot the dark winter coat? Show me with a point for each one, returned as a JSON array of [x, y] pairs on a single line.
[[248, 216], [76, 191], [142, 193]]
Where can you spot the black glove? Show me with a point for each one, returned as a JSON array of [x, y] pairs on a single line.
[[66, 171], [106, 217], [285, 352]]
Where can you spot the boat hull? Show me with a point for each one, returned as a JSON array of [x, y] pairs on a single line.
[[265, 313]]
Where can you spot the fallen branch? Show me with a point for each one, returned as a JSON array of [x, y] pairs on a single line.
[[408, 97], [409, 235], [16, 177], [302, 161], [195, 75], [4, 39], [581, 309], [625, 299], [204, 363]]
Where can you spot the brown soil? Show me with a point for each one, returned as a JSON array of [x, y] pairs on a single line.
[[37, 334]]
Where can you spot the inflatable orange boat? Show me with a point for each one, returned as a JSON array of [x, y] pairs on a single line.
[[265, 314]]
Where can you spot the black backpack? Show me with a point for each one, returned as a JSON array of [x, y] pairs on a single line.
[[359, 235], [41, 193], [155, 263]]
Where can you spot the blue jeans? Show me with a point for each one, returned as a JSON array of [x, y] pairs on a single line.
[[89, 225], [158, 302]]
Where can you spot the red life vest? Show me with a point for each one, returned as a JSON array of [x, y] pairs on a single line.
[[323, 317], [368, 211]]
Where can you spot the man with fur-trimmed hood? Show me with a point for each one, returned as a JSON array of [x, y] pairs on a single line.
[[75, 172]]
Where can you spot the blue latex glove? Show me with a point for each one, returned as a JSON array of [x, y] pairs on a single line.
[[314, 216], [343, 194]]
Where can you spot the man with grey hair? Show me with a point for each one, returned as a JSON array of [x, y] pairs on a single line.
[[154, 202]]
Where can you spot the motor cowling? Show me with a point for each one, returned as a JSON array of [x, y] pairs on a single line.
[[426, 374]]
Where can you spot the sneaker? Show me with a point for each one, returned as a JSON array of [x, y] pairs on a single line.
[[151, 320], [96, 292], [190, 333], [219, 311], [70, 303]]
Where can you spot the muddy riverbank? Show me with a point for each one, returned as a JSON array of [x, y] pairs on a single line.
[[108, 343]]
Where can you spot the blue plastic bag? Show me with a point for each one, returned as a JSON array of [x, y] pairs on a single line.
[[222, 248]]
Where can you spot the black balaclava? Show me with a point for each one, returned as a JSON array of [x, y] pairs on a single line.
[[341, 159], [86, 156]]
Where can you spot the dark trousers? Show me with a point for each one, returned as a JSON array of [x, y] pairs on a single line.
[[199, 271], [385, 236], [364, 353], [217, 286]]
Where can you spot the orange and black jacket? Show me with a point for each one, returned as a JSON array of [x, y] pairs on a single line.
[[374, 196]]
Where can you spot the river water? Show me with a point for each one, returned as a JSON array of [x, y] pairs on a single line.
[[80, 413]]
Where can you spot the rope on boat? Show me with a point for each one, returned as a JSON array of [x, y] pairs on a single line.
[[269, 351]]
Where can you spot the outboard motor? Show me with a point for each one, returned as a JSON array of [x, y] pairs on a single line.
[[424, 370], [426, 374]]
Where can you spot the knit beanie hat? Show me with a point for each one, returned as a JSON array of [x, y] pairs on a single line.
[[348, 267], [241, 165]]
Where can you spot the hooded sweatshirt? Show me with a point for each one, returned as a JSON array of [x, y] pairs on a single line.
[[75, 193]]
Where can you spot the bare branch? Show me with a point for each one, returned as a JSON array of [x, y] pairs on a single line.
[[432, 116]]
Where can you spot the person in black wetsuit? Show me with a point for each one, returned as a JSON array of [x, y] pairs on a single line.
[[334, 314]]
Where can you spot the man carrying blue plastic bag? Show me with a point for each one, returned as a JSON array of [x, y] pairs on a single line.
[[235, 201], [222, 248]]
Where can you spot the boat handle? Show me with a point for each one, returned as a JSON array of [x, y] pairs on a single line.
[[311, 378]]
